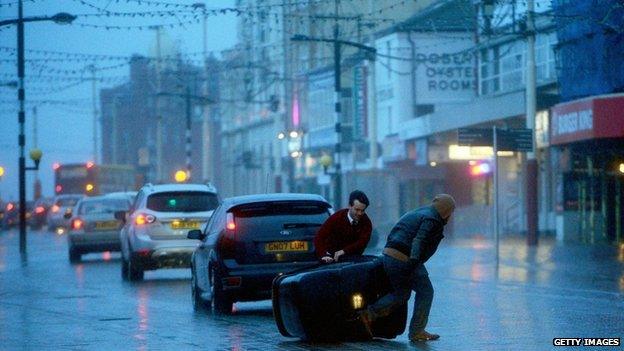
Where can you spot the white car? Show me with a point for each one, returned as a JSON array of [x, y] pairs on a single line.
[[93, 225], [155, 232]]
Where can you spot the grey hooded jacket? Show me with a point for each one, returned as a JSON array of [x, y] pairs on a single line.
[[417, 234]]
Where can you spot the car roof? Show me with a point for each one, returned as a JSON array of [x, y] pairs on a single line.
[[121, 194], [158, 188], [248, 199], [66, 196], [105, 197]]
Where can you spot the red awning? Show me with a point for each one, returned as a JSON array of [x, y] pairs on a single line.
[[589, 118]]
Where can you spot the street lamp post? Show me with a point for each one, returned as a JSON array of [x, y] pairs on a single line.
[[337, 96], [187, 98], [60, 18]]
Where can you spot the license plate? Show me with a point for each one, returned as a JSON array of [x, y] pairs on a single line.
[[106, 225], [185, 225], [286, 246]]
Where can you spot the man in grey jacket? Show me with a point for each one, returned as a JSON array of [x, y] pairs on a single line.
[[412, 241]]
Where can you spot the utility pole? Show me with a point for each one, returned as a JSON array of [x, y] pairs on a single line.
[[95, 114], [159, 117], [37, 185], [531, 164], [338, 112], [188, 132], [207, 126], [21, 120]]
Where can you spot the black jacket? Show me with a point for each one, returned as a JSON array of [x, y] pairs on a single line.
[[417, 234]]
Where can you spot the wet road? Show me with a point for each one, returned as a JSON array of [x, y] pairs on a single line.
[[536, 294]]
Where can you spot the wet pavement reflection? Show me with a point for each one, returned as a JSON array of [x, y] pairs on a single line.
[[534, 295]]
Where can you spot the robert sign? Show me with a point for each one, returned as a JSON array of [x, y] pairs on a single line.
[[598, 117], [445, 71]]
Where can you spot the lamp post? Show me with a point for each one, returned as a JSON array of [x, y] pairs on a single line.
[[337, 95], [187, 98], [60, 18]]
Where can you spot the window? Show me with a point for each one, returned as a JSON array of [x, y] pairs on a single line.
[[103, 206], [545, 57], [512, 63], [489, 71], [182, 201]]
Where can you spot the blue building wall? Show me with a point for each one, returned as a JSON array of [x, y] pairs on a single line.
[[591, 47]]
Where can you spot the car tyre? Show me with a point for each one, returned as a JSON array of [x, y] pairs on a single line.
[[125, 272], [134, 273], [221, 303], [74, 255], [199, 304]]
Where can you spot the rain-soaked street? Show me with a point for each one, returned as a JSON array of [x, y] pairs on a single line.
[[535, 296]]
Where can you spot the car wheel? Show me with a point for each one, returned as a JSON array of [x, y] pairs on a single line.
[[74, 255], [124, 269], [198, 303], [134, 273], [221, 303]]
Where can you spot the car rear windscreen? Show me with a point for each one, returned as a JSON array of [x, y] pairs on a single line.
[[288, 218], [183, 201], [103, 206]]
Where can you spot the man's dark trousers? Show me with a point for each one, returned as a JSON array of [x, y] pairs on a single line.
[[405, 277]]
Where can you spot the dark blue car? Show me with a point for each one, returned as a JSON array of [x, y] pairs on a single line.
[[248, 242]]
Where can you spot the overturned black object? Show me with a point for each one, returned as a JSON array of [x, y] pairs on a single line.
[[320, 303]]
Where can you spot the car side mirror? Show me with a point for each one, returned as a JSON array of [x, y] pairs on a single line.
[[120, 215], [67, 215], [196, 234]]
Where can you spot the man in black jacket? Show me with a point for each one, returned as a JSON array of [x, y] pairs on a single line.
[[412, 241]]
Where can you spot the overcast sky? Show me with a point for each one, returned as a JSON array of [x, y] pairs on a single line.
[[65, 118]]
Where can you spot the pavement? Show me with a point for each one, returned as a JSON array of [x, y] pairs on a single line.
[[533, 295]]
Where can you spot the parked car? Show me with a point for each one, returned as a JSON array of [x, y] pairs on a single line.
[[40, 213], [56, 215], [248, 242], [155, 233], [10, 217], [320, 303], [94, 227]]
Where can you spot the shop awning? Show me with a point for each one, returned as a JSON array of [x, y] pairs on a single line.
[[590, 118]]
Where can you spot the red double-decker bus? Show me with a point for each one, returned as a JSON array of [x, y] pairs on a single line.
[[93, 179]]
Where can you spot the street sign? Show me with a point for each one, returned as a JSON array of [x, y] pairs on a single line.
[[474, 137], [518, 140]]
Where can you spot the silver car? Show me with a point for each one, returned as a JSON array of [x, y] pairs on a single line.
[[62, 204], [155, 233], [93, 226]]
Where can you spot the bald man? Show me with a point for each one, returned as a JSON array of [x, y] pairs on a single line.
[[412, 241]]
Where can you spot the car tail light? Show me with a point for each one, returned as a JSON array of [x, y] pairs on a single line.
[[55, 208], [230, 225], [143, 219], [10, 207], [58, 188], [77, 224], [39, 210]]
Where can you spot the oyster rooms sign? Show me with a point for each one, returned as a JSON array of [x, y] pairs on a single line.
[[445, 72]]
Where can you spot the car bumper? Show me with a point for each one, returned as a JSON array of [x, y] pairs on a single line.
[[164, 257], [95, 241], [255, 279]]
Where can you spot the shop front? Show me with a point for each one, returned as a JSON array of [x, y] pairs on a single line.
[[587, 137]]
